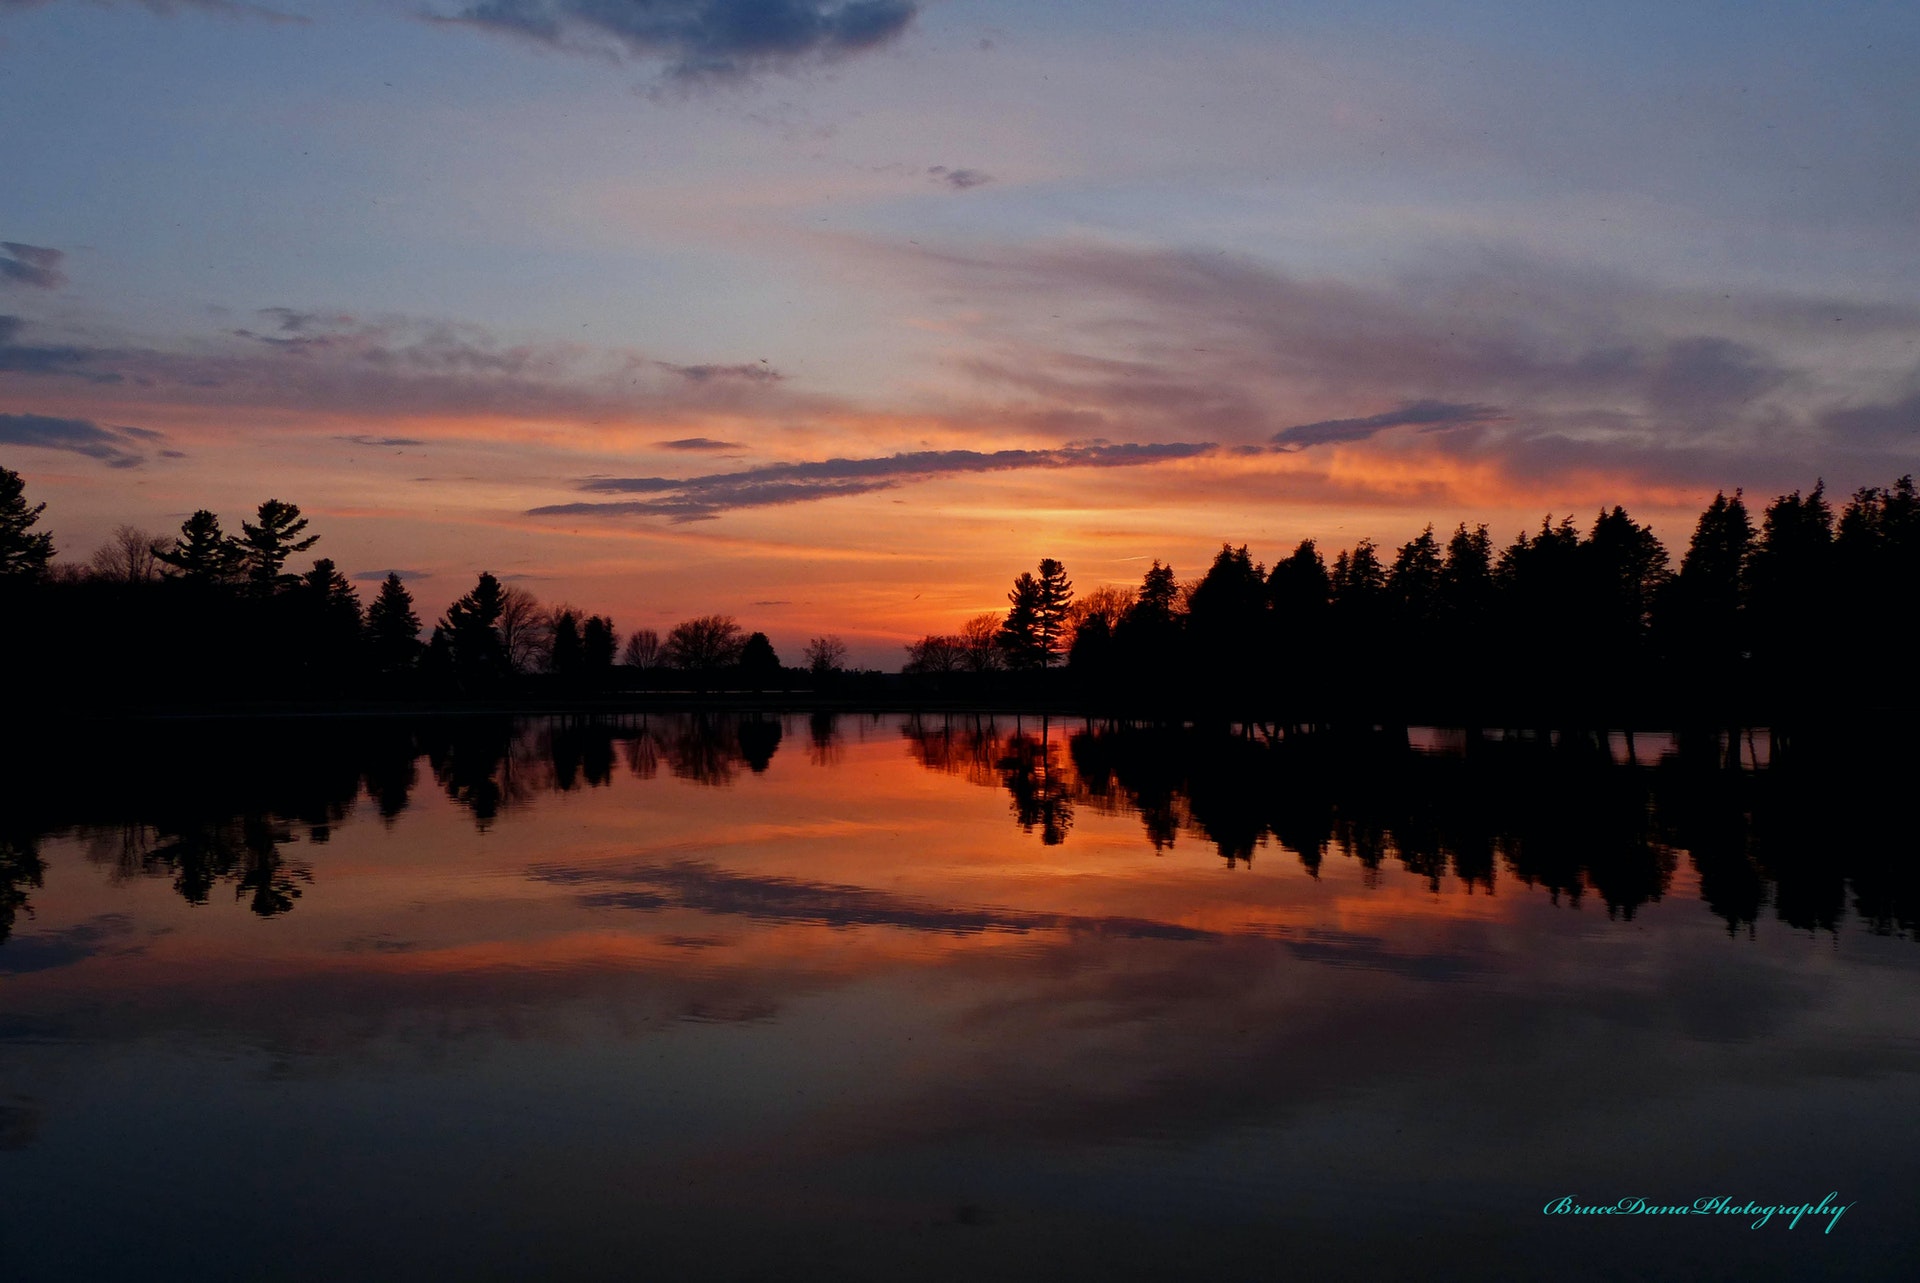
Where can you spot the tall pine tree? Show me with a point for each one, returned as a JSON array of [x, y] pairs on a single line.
[[23, 555], [393, 630]]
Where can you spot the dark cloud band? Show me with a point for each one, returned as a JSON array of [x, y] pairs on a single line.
[[701, 39], [700, 498], [1429, 416], [115, 447], [35, 266]]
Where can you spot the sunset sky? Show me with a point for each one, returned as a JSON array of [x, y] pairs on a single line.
[[834, 316]]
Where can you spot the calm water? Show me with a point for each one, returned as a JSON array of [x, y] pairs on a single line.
[[867, 997]]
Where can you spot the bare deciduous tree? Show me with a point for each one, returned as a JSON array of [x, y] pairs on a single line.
[[825, 655], [525, 628], [129, 556], [642, 649], [978, 635], [937, 653], [1108, 603]]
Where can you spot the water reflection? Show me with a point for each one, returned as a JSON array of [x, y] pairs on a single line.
[[738, 995], [1608, 817], [1574, 815]]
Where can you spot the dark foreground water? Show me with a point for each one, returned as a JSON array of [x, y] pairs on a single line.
[[868, 997]]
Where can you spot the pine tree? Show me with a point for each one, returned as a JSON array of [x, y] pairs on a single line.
[[1159, 594], [203, 553], [598, 644], [1050, 613], [1466, 578], [393, 630], [1298, 587], [1020, 631], [473, 636], [266, 547], [564, 656], [1414, 581], [329, 590], [22, 555]]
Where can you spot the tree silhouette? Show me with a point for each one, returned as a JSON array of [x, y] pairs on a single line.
[[129, 556], [1227, 629], [1159, 594], [935, 654], [1791, 587], [1299, 590], [565, 657], [23, 553], [333, 596], [329, 627], [642, 649], [1147, 640], [1019, 638], [1878, 547], [979, 635], [1051, 609], [1700, 620], [703, 644], [203, 553], [265, 547], [1414, 581], [393, 630], [1466, 579], [759, 665], [525, 629], [598, 642], [21, 869], [825, 655], [472, 637]]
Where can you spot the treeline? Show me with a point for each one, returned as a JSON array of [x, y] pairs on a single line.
[[1807, 616], [210, 617]]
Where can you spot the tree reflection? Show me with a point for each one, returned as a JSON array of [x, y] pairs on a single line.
[[1580, 816], [1812, 833], [1042, 795], [21, 870]]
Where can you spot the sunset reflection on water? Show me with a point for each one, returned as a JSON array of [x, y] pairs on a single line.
[[860, 996]]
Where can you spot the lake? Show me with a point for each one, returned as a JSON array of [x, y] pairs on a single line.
[[875, 996]]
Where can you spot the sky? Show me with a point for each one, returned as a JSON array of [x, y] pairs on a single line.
[[836, 316]]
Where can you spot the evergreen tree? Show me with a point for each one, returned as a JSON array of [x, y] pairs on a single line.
[[1626, 567], [265, 547], [1300, 590], [474, 646], [1019, 637], [327, 589], [1414, 580], [1159, 594], [1358, 579], [393, 630], [1466, 579], [564, 656], [202, 553], [1877, 548], [23, 555], [1051, 611], [598, 644], [21, 869], [1791, 585], [1700, 613]]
